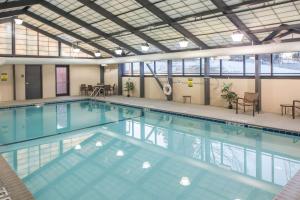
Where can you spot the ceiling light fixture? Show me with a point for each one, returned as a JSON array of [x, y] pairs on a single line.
[[76, 48], [237, 36], [97, 54], [145, 47], [18, 21], [183, 43], [78, 147], [119, 51]]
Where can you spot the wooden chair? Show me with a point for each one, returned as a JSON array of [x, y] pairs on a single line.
[[107, 89], [250, 99], [90, 89], [296, 105], [83, 90]]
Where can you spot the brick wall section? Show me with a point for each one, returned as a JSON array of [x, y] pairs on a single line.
[[291, 191], [14, 186]]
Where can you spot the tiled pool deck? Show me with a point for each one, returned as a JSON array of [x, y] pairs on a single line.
[[290, 192], [11, 187]]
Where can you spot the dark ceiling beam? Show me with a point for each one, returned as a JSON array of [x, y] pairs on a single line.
[[210, 14], [12, 13], [273, 33], [88, 26], [20, 3], [236, 21], [279, 28], [285, 34], [54, 37], [123, 24], [66, 31], [168, 20]]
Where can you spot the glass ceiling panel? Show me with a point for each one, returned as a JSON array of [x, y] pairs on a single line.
[[85, 33], [107, 44], [108, 26], [66, 5], [43, 12], [262, 18], [139, 17], [88, 15], [117, 7], [163, 33], [67, 37], [65, 23], [181, 8], [213, 25], [51, 30], [30, 20], [130, 39]]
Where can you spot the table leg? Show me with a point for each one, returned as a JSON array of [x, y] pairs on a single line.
[[282, 110]]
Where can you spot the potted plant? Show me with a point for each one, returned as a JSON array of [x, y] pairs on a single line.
[[129, 86], [228, 95]]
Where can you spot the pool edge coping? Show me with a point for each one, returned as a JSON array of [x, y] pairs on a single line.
[[12, 184]]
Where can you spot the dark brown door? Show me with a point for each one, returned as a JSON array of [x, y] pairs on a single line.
[[33, 81]]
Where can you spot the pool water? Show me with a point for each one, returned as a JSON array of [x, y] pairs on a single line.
[[94, 150]]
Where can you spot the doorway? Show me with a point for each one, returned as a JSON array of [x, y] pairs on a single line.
[[33, 82], [62, 80]]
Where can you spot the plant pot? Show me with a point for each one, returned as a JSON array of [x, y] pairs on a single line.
[[230, 106]]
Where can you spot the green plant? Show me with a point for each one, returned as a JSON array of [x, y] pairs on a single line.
[[129, 86], [228, 95]]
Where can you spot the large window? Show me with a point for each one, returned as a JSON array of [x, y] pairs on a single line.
[[192, 66], [286, 64], [249, 65], [215, 66], [234, 65], [127, 69], [5, 38], [177, 67], [265, 61], [47, 46], [136, 68], [161, 67], [146, 68], [26, 41]]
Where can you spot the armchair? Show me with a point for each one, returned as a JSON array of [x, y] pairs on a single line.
[[250, 99], [296, 105]]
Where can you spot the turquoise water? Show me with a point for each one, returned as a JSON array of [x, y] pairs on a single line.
[[141, 155]]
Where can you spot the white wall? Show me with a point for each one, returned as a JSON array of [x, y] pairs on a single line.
[[49, 89], [6, 87], [240, 86], [79, 74]]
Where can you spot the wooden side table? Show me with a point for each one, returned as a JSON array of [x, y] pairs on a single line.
[[187, 97], [284, 107]]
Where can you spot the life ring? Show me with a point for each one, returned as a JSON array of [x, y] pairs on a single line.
[[167, 89]]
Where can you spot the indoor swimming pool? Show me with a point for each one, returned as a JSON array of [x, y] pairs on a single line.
[[97, 150]]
